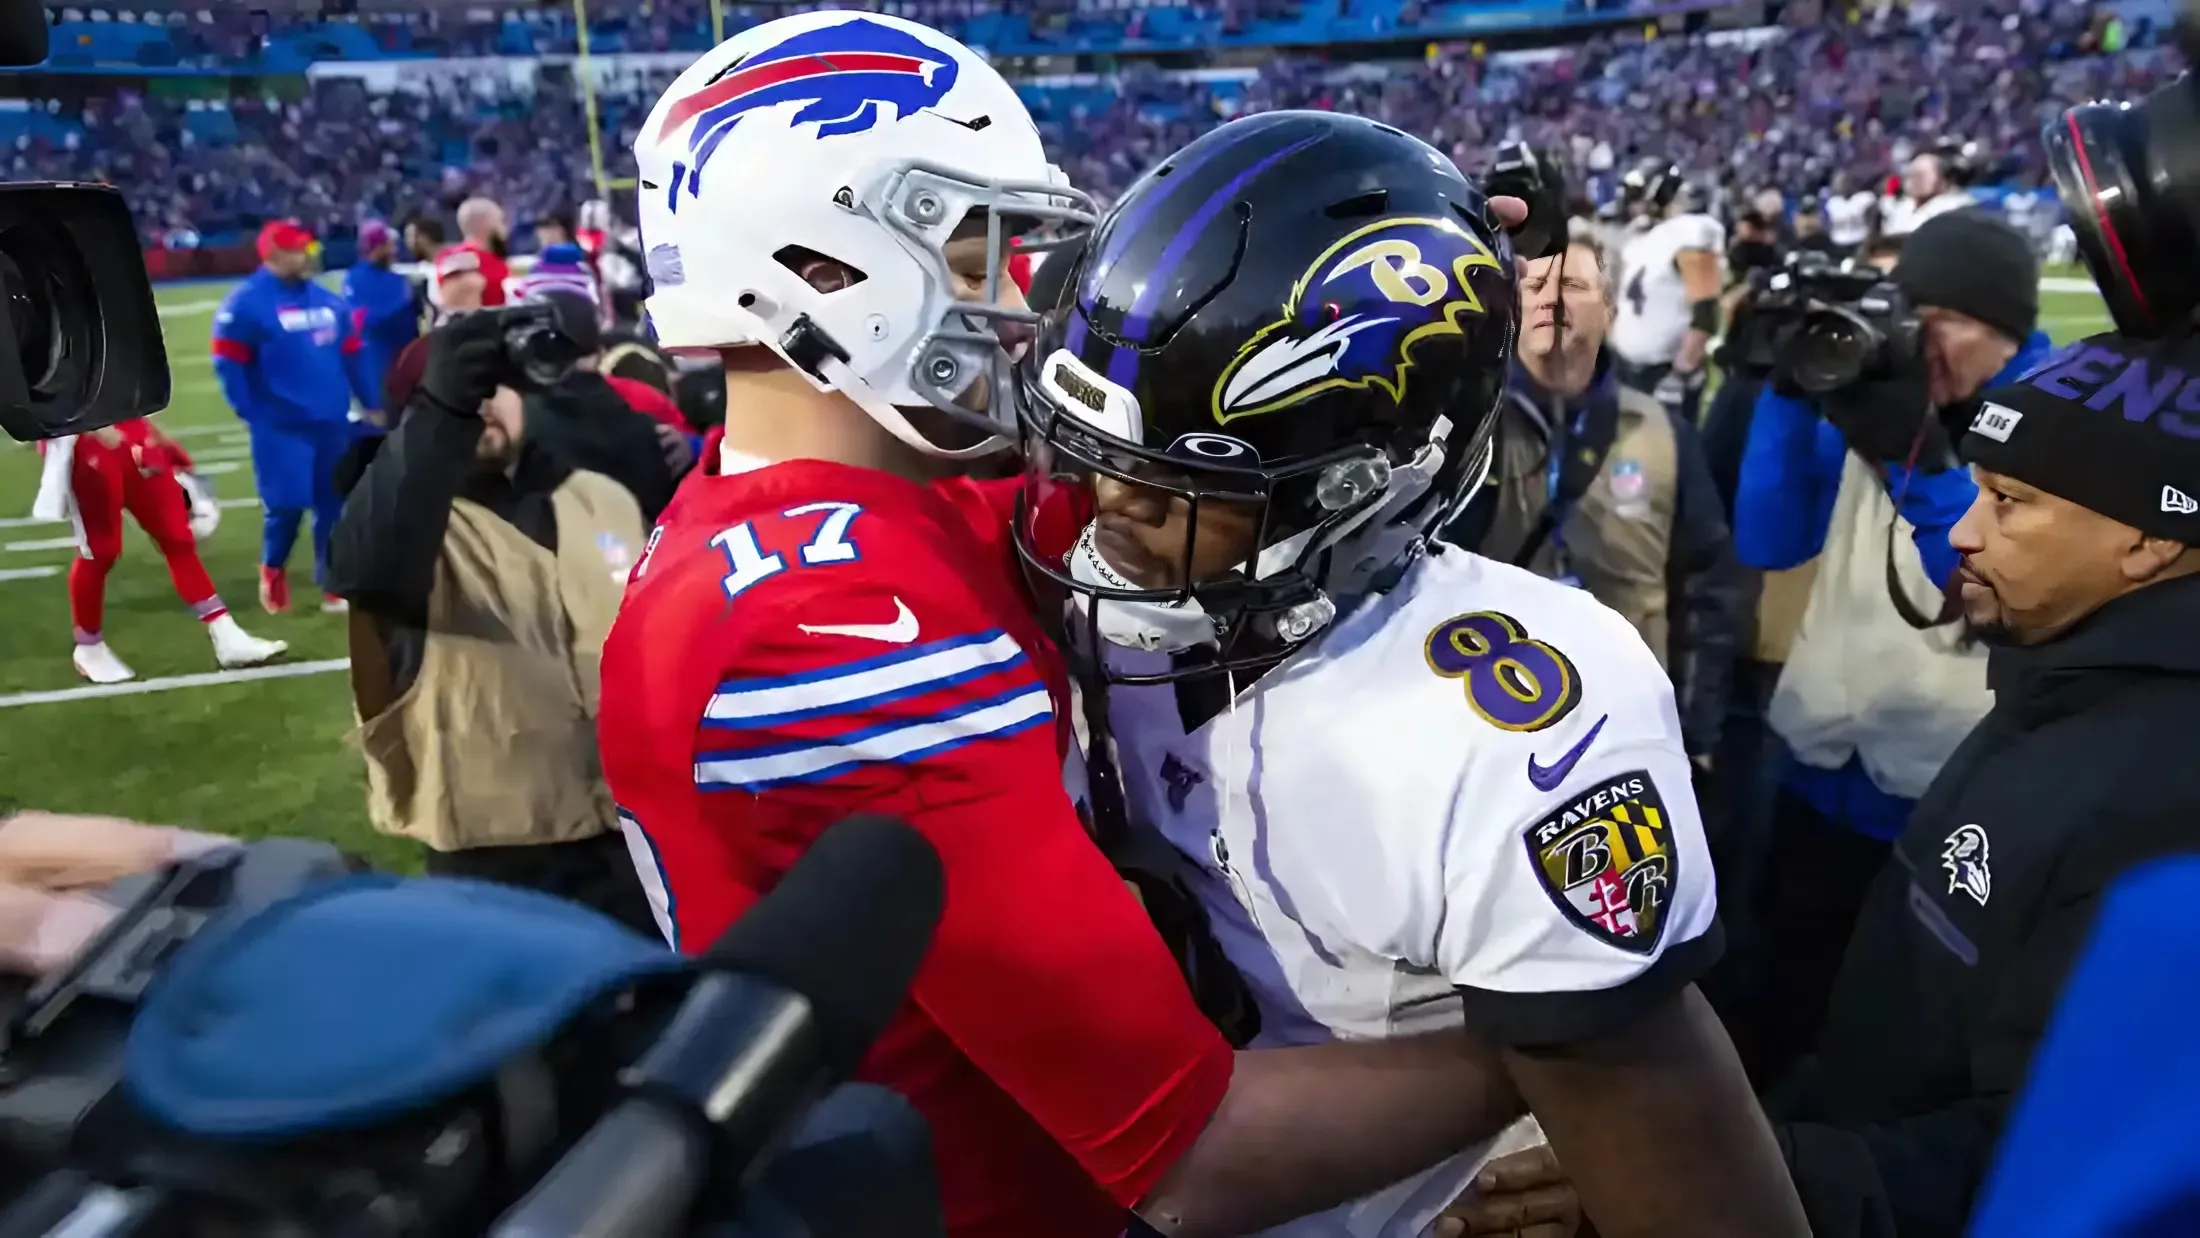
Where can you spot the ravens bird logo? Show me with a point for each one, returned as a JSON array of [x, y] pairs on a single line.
[[1354, 318]]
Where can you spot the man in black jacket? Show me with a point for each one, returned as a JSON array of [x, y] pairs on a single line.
[[399, 494], [2079, 566], [585, 421]]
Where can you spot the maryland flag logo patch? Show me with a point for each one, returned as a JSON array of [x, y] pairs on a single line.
[[1607, 860]]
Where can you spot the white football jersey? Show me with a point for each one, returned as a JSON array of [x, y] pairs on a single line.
[[1466, 805], [1653, 302], [1849, 219], [1907, 215]]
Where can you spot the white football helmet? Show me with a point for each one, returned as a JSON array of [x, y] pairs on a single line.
[[867, 140]]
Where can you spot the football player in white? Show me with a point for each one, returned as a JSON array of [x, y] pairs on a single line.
[[1670, 280], [1411, 788]]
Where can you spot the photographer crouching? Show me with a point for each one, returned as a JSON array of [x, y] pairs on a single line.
[[483, 572], [1849, 466]]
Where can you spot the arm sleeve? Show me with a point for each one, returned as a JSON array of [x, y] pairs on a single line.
[[1933, 503], [1714, 595], [354, 347], [383, 552], [236, 349], [1577, 910], [1042, 955], [1783, 500]]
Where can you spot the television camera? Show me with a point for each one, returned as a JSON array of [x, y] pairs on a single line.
[[266, 1043], [2129, 174], [1822, 325]]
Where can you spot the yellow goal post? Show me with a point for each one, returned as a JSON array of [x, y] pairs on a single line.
[[581, 67]]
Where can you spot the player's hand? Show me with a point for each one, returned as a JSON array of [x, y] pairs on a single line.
[[465, 360], [1523, 1195], [678, 455], [1511, 212]]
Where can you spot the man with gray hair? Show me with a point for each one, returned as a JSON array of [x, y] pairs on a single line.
[[1600, 486]]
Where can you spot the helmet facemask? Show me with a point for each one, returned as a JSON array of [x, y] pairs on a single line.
[[1303, 535], [960, 362]]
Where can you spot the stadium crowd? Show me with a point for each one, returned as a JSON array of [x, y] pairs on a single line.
[[1825, 97]]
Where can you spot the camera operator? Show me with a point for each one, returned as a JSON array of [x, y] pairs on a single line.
[[2080, 568], [484, 572], [1876, 689]]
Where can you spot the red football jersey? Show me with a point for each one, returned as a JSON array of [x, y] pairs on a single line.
[[465, 257], [809, 640]]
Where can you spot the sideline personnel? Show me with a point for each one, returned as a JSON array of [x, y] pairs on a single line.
[[486, 572], [2079, 567]]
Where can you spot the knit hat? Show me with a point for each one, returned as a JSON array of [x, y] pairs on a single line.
[[1975, 264], [2104, 424], [285, 234]]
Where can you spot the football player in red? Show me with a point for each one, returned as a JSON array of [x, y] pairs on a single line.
[[90, 480], [832, 622]]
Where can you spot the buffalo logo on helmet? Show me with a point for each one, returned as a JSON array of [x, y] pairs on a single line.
[[1356, 315], [847, 75]]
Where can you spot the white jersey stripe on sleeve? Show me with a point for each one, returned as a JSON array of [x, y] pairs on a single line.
[[897, 742], [749, 704]]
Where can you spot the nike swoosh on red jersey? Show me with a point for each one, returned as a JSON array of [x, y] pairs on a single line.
[[1548, 777], [901, 631]]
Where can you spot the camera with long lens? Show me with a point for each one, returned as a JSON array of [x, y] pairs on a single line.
[[1821, 325], [1537, 178], [2129, 175], [80, 344], [537, 351]]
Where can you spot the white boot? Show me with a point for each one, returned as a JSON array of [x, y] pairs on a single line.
[[234, 647], [99, 664]]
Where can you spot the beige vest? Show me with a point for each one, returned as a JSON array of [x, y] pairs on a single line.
[[1619, 536], [1861, 681], [494, 742]]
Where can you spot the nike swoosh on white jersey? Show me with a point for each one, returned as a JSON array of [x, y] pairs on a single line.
[[900, 632]]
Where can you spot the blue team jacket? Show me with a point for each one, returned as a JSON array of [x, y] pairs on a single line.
[[287, 353], [1791, 472], [389, 317]]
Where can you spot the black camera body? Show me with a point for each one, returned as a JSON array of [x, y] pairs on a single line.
[[537, 350], [1539, 179], [2129, 174], [1821, 325]]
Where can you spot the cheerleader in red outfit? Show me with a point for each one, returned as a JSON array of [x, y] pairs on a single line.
[[90, 480]]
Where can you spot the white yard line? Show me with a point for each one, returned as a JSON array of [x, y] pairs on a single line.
[[2064, 283], [239, 452], [184, 309], [218, 468], [28, 573], [25, 522], [44, 543], [285, 670]]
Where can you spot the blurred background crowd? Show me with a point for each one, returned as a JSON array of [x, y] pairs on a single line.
[[1791, 106]]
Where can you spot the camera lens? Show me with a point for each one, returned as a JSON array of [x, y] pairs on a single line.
[[1830, 350], [2127, 174], [32, 318]]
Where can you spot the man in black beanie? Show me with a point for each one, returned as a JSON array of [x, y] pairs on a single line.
[[1975, 284], [2079, 567], [1856, 755]]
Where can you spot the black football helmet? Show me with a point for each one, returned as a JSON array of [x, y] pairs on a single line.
[[1656, 183], [1302, 314]]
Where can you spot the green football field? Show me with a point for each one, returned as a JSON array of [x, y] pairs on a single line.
[[252, 752]]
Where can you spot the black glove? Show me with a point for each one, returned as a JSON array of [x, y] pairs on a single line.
[[466, 363], [1883, 418]]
